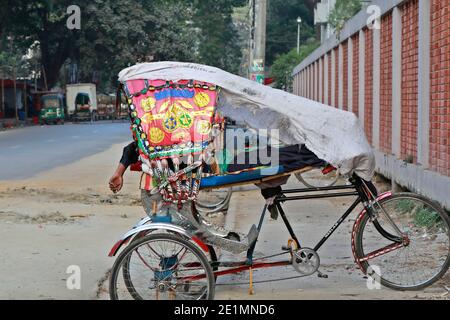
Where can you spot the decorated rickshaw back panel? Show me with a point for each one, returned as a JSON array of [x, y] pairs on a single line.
[[171, 118]]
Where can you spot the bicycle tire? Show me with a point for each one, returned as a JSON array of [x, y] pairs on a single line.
[[309, 185], [159, 236], [359, 250]]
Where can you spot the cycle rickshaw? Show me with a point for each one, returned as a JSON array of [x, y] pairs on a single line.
[[171, 254]]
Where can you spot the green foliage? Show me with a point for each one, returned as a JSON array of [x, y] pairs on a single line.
[[218, 40], [405, 206], [284, 65], [282, 26], [427, 218], [424, 217], [343, 11], [116, 34], [43, 21]]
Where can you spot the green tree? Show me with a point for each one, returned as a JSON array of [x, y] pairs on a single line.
[[218, 40], [113, 35], [116, 34], [343, 11], [282, 26], [284, 64], [174, 31], [43, 21]]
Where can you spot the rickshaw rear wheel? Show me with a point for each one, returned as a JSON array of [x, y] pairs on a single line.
[[211, 251], [168, 273]]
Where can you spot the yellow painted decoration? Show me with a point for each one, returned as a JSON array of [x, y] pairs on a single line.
[[203, 127], [203, 113], [148, 117], [148, 104], [176, 110], [201, 99], [164, 106], [156, 135], [185, 104], [182, 135]]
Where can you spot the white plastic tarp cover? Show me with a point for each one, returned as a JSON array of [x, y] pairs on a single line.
[[333, 135]]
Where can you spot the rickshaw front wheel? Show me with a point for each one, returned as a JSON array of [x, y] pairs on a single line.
[[419, 258]]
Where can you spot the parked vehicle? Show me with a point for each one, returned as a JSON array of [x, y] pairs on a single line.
[[81, 101], [53, 109], [105, 107], [170, 254]]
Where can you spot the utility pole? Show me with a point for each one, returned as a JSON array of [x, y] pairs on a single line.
[[259, 43], [299, 22], [251, 6]]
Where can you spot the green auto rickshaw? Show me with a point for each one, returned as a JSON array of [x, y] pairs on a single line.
[[53, 109]]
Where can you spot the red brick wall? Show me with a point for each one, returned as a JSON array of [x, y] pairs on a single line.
[[368, 84], [440, 87], [355, 98], [345, 77], [439, 157], [410, 56], [329, 79], [336, 77], [386, 84]]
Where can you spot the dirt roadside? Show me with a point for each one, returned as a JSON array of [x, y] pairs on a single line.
[[67, 216], [63, 217], [310, 219]]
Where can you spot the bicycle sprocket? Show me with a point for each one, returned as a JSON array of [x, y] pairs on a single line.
[[305, 261]]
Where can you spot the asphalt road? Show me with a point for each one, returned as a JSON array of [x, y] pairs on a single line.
[[28, 151]]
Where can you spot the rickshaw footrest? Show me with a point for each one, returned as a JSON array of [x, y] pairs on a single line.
[[252, 235]]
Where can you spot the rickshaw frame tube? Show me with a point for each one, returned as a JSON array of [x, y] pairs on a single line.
[[152, 227]]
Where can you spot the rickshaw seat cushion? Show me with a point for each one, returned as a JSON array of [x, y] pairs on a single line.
[[232, 178]]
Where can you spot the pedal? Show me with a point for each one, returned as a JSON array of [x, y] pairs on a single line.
[[291, 246]]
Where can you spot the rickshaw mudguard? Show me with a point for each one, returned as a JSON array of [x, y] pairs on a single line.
[[144, 226], [356, 227]]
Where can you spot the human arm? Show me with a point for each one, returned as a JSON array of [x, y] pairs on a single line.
[[130, 155]]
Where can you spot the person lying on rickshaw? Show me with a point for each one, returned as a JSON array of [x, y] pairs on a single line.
[[290, 158]]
